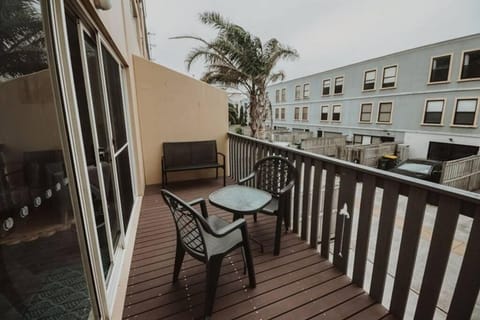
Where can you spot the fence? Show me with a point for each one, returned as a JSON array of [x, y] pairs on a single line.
[[328, 146], [312, 212], [367, 154], [462, 173]]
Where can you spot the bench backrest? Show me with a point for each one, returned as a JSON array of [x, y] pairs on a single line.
[[179, 154]]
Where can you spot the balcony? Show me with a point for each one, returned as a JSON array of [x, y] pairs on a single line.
[[361, 238]]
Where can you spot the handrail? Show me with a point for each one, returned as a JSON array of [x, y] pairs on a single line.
[[325, 195], [470, 197]]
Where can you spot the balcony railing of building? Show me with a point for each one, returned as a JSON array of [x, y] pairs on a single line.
[[346, 234]]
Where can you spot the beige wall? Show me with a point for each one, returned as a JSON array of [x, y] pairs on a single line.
[[28, 120], [173, 107]]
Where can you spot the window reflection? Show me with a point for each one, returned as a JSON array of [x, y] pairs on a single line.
[[41, 274]]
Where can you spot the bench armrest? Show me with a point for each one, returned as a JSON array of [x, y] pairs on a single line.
[[222, 155]]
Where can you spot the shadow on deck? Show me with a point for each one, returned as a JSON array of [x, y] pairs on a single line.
[[296, 284]]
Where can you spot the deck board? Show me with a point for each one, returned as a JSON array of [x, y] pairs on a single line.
[[298, 283]]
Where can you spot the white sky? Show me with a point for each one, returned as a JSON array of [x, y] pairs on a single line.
[[326, 34]]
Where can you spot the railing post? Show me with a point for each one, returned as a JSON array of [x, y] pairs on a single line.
[[316, 194], [343, 225], [307, 171], [327, 210]]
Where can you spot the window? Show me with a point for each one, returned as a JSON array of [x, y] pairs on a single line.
[[357, 139], [282, 114], [277, 113], [385, 112], [336, 112], [297, 92], [326, 87], [369, 80], [324, 113], [440, 69], [433, 111], [465, 112], [470, 65], [306, 91], [338, 85], [305, 113], [366, 112], [296, 115], [389, 77], [277, 96], [284, 93]]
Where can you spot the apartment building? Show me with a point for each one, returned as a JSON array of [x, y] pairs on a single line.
[[426, 97]]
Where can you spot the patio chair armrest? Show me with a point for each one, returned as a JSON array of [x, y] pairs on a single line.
[[288, 187], [249, 177], [237, 224], [203, 206]]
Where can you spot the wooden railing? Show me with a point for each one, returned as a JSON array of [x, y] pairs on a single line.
[[313, 214]]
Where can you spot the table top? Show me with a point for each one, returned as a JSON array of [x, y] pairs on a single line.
[[240, 199]]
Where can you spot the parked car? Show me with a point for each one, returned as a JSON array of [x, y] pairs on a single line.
[[424, 169]]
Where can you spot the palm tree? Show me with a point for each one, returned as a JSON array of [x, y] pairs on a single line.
[[22, 40], [232, 114], [236, 58]]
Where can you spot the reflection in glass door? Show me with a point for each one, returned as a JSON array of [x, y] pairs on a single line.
[[41, 271]]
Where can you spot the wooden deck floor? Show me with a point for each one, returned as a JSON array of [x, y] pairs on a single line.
[[298, 284]]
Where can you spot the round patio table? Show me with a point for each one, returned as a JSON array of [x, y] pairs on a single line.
[[240, 200]]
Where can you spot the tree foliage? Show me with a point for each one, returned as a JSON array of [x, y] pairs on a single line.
[[236, 58], [22, 40]]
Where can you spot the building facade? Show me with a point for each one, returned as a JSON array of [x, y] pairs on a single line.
[[427, 98]]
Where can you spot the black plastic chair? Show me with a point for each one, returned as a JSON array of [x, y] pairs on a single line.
[[208, 239], [275, 175]]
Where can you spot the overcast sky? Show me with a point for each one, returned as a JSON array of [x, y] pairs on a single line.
[[326, 34]]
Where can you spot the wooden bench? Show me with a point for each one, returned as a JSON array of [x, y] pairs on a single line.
[[191, 155]]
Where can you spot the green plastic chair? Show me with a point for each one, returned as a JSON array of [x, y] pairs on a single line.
[[207, 239]]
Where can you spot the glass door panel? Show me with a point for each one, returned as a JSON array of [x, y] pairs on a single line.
[[113, 77], [104, 150], [41, 271]]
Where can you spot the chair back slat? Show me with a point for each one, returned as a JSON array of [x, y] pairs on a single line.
[[273, 174], [189, 229]]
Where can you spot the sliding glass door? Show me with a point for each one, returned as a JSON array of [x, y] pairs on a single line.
[[100, 103]]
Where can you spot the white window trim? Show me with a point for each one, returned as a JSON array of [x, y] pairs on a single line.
[[461, 67], [343, 85], [383, 75], [341, 112], [425, 109], [283, 98], [475, 120], [277, 96], [308, 114], [299, 113], [371, 113], [374, 83], [378, 112], [328, 112], [449, 68], [329, 88], [284, 112], [309, 91], [300, 92]]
